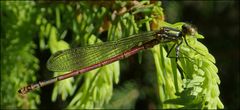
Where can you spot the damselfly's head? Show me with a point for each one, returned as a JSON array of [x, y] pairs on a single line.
[[188, 29]]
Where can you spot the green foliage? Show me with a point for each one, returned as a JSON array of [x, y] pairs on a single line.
[[18, 63], [124, 97], [83, 23]]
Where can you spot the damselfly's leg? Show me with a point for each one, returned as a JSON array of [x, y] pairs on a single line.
[[177, 56], [176, 49], [191, 47], [181, 71], [171, 50], [178, 52]]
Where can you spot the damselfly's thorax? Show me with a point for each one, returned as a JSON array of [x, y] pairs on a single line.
[[168, 34]]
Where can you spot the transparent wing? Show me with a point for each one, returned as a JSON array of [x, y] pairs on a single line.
[[77, 58]]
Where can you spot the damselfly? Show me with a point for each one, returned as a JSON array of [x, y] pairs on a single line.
[[83, 59]]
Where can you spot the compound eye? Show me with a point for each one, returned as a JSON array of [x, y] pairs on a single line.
[[188, 30], [191, 31], [185, 27]]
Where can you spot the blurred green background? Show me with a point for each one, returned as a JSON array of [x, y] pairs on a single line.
[[218, 21]]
